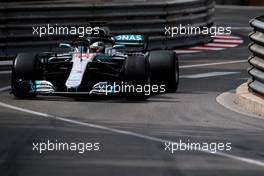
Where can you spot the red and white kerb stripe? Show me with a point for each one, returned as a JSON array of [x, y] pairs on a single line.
[[219, 42]]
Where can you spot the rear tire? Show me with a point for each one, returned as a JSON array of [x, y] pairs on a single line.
[[164, 70], [23, 75], [137, 74]]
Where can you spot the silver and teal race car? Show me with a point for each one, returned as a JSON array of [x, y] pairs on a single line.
[[98, 64]]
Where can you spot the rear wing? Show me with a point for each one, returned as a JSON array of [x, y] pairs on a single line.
[[132, 41]]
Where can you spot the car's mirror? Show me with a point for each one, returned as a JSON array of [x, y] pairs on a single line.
[[119, 46], [65, 45]]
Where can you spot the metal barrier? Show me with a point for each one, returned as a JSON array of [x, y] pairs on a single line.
[[148, 17], [257, 59]]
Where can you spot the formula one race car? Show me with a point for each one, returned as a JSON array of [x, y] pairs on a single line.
[[97, 64]]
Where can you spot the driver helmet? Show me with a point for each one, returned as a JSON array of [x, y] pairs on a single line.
[[97, 47]]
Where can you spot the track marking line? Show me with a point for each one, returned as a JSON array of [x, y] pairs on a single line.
[[206, 48], [187, 51], [2, 89], [5, 72], [226, 37], [241, 28], [6, 63], [228, 41], [213, 64], [129, 133], [207, 75], [221, 45]]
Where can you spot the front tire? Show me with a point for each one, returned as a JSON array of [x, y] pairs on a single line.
[[137, 74], [164, 68], [24, 72]]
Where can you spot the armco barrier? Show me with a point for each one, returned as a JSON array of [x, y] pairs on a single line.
[[257, 59], [148, 17]]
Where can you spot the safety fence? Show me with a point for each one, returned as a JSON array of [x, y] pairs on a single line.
[[148, 17], [257, 59]]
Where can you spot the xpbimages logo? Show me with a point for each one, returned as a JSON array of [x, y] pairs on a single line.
[[174, 31], [212, 147], [48, 30], [60, 146], [126, 87]]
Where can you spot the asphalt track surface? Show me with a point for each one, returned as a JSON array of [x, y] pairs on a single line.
[[131, 134]]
